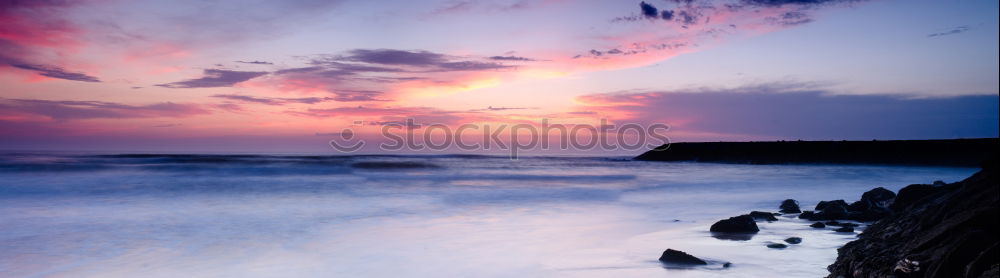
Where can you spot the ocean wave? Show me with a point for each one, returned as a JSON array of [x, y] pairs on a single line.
[[188, 169], [390, 165], [221, 159], [255, 164], [52, 167]]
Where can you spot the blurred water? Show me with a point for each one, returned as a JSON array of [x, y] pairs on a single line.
[[88, 215]]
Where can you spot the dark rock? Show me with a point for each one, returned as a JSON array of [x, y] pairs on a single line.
[[860, 205], [793, 240], [873, 205], [912, 194], [908, 267], [818, 225], [841, 224], [760, 215], [789, 206], [879, 197], [844, 230], [808, 215], [934, 231], [865, 211], [738, 224], [777, 246], [727, 264], [733, 236], [822, 204], [677, 257], [831, 210]]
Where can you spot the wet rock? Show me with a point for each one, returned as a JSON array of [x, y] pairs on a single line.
[[733, 236], [841, 224], [777, 246], [860, 205], [831, 210], [874, 205], [912, 194], [789, 206], [761, 215], [907, 268], [822, 204], [844, 230], [879, 197], [946, 230], [727, 264], [818, 225], [808, 215], [737, 224], [864, 212], [678, 257], [793, 240]]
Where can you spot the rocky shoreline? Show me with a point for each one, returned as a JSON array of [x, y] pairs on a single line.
[[924, 230], [942, 230]]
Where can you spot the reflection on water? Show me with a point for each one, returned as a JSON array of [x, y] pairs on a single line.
[[441, 216]]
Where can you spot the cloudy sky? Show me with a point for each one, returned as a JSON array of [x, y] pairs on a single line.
[[286, 75]]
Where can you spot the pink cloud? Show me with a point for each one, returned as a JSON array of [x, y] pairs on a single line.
[[78, 110], [34, 38]]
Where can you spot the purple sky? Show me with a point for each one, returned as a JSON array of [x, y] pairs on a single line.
[[282, 76]]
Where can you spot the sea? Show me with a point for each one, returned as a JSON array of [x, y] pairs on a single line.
[[293, 215]]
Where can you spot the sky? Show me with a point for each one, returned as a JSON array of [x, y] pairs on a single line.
[[289, 76]]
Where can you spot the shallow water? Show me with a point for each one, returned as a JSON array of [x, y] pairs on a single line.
[[413, 216]]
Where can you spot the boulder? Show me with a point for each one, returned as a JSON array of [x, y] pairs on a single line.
[[733, 236], [879, 197], [822, 204], [912, 194], [831, 210], [793, 240], [789, 206], [808, 215], [874, 205], [866, 211], [818, 225], [860, 205], [737, 224], [678, 257], [761, 215], [847, 229], [841, 224], [777, 246]]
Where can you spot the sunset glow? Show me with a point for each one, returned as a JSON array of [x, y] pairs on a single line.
[[141, 75]]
